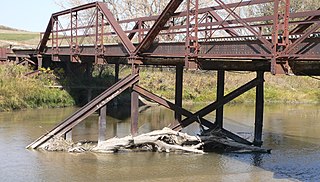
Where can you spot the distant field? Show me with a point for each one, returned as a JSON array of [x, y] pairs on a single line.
[[18, 36], [10, 36]]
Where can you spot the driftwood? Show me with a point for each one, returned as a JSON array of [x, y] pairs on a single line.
[[165, 140]]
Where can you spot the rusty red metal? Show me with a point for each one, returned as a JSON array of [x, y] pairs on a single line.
[[194, 34], [3, 54]]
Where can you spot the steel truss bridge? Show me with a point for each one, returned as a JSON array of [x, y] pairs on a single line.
[[185, 35]]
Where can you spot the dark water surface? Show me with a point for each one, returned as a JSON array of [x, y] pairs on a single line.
[[292, 131]]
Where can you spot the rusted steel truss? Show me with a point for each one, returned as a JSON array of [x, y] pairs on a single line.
[[216, 32]]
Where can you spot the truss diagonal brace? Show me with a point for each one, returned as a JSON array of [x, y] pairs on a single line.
[[46, 36], [217, 17], [291, 47], [227, 98], [117, 28], [170, 105], [167, 13], [240, 20]]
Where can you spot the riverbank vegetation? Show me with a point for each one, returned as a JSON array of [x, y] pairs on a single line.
[[18, 91], [200, 86]]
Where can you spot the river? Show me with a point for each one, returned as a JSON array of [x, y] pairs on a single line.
[[292, 131]]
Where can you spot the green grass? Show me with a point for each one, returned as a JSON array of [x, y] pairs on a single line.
[[20, 92], [200, 86]]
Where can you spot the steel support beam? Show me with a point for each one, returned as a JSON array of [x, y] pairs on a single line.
[[116, 72], [259, 110], [220, 95], [178, 91]]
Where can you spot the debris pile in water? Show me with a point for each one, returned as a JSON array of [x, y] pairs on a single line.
[[165, 140]]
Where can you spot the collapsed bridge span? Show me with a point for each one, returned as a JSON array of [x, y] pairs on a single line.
[[197, 37]]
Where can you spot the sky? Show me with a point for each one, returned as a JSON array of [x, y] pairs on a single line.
[[30, 15]]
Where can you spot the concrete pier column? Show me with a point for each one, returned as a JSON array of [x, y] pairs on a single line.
[[68, 135], [102, 124]]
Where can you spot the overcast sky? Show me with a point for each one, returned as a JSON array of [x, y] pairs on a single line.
[[30, 15]]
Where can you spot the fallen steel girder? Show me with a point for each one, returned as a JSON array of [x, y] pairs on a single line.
[[187, 113], [86, 110]]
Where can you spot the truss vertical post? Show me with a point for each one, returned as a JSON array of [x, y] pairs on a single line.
[[102, 124], [220, 95], [74, 47], [99, 35], [280, 35], [178, 91], [191, 44], [140, 27], [55, 38], [259, 109]]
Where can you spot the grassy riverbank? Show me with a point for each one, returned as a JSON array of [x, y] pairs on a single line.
[[200, 86], [20, 92]]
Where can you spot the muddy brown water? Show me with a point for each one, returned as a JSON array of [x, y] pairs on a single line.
[[292, 131]]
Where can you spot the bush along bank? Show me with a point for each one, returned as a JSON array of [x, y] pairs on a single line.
[[18, 91]]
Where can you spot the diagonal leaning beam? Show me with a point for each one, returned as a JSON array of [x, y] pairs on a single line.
[[86, 110], [291, 47], [170, 105], [218, 18], [299, 29], [245, 24], [117, 28], [227, 98], [131, 35], [45, 37], [167, 13]]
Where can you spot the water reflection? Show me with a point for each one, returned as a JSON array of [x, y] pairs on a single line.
[[290, 130]]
